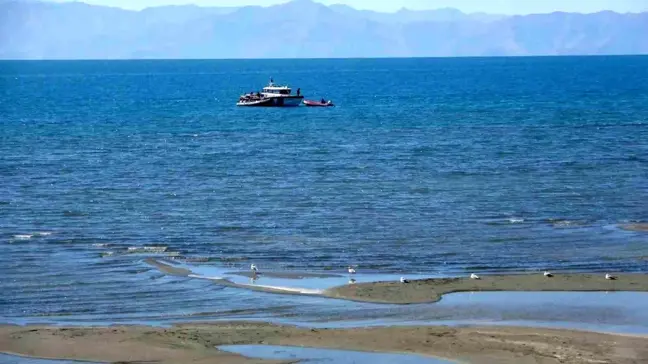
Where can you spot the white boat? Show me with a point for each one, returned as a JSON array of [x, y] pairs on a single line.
[[272, 95]]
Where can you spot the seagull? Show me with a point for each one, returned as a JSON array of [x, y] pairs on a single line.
[[403, 280], [610, 277], [474, 276], [254, 268], [351, 270], [548, 274]]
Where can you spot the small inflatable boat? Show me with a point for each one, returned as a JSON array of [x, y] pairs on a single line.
[[318, 103]]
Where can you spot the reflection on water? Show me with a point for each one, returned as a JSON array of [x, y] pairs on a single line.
[[316, 355]]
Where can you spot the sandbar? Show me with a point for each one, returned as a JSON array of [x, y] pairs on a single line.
[[167, 268], [431, 290], [640, 226], [196, 343]]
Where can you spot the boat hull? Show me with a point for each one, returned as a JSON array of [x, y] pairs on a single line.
[[264, 102]]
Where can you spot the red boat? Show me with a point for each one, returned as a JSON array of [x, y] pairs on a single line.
[[318, 103]]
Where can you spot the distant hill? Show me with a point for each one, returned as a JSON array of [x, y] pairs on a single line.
[[302, 28]]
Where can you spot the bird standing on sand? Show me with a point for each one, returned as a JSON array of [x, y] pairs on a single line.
[[403, 280], [474, 276], [351, 270], [254, 268], [548, 274], [610, 277]]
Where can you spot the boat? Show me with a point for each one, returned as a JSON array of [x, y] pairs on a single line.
[[272, 95], [318, 103]]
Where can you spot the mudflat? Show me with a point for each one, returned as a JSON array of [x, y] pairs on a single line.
[[196, 343]]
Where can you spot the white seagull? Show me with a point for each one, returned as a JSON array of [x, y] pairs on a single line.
[[403, 280], [547, 274], [254, 268], [610, 277], [474, 276], [351, 270]]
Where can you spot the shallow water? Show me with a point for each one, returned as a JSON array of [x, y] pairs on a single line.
[[305, 285], [14, 359], [426, 167], [315, 355], [620, 312]]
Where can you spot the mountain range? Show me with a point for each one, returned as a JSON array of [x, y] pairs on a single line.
[[304, 29]]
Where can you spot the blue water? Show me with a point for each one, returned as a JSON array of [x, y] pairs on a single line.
[[425, 166]]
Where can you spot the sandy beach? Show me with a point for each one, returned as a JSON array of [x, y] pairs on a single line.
[[431, 290], [196, 343]]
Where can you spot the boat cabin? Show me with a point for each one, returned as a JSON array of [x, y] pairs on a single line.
[[277, 90]]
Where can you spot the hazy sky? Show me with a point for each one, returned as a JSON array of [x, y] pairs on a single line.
[[489, 6]]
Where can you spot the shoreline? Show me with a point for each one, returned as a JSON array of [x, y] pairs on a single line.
[[197, 342], [182, 272], [433, 289]]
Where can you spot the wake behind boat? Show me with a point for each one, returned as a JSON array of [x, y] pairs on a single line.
[[272, 95]]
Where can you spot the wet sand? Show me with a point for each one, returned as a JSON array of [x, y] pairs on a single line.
[[431, 290], [196, 343], [167, 268]]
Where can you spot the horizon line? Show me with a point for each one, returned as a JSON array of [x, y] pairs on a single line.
[[313, 58], [283, 3]]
